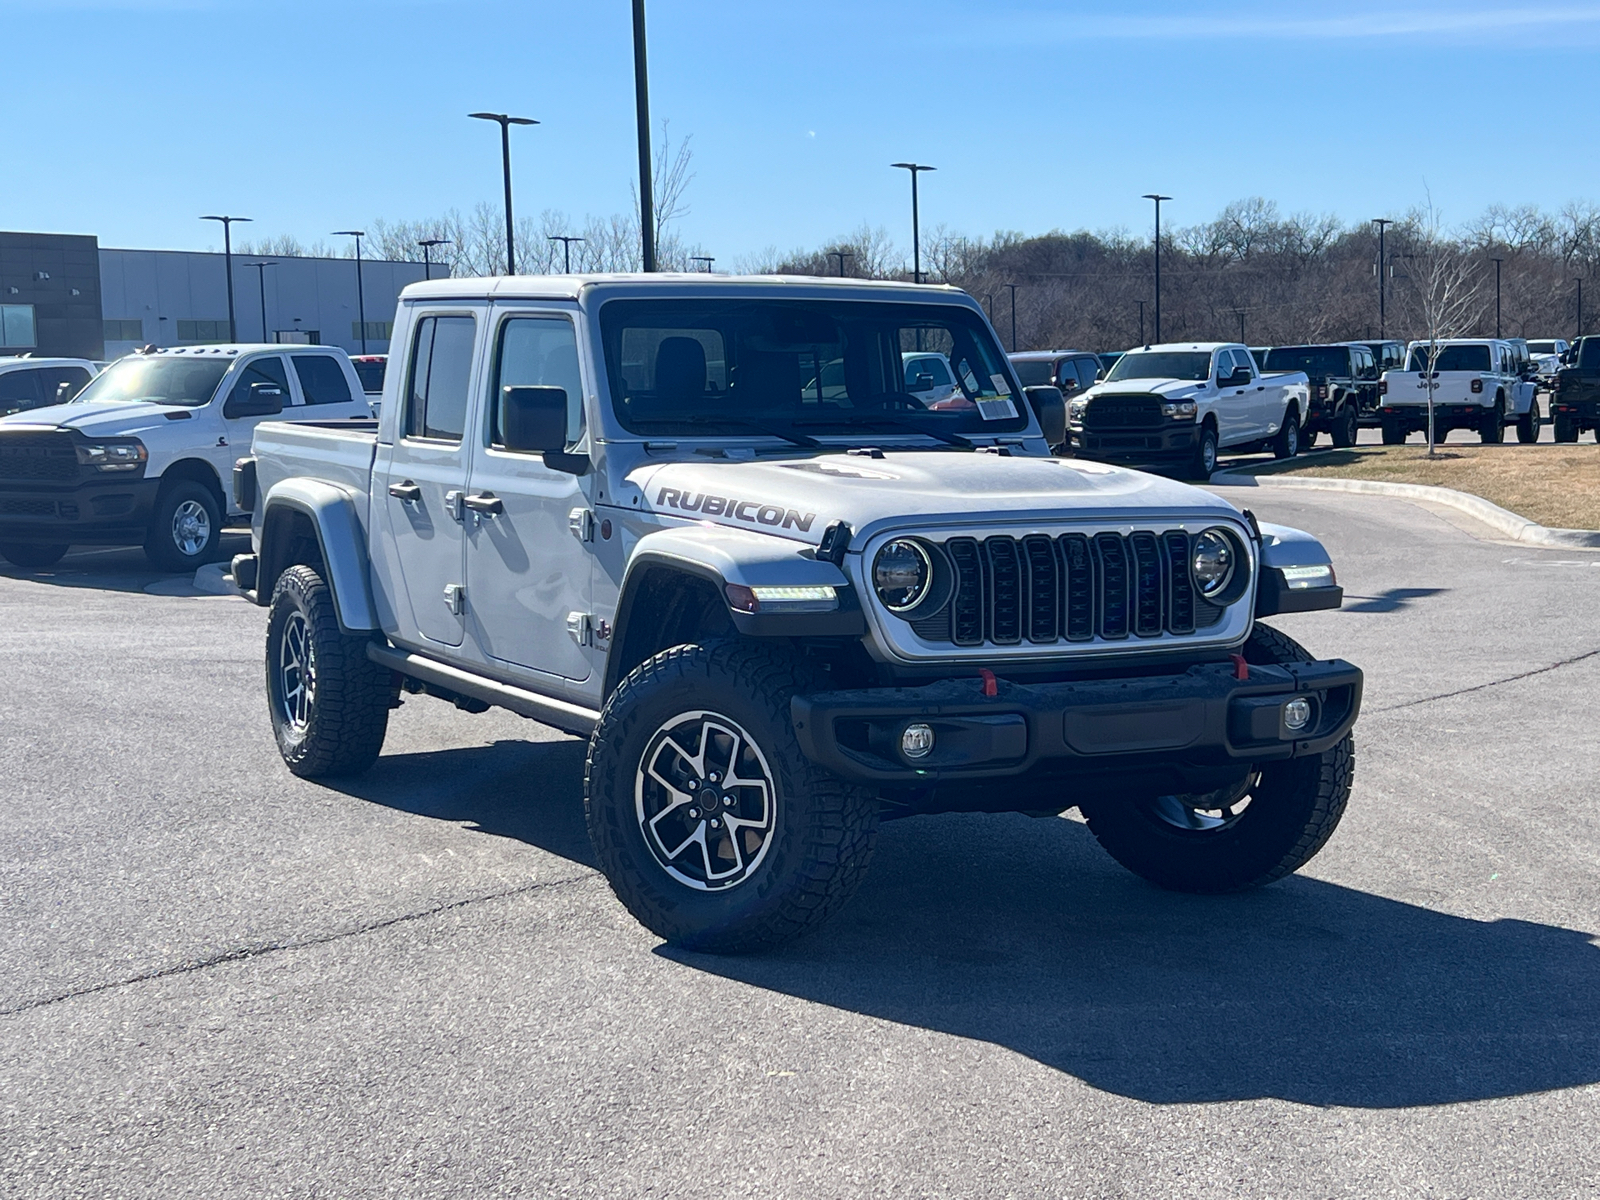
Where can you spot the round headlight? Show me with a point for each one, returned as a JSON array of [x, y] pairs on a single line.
[[901, 574], [1212, 562]]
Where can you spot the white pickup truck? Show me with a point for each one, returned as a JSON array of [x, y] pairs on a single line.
[[142, 453], [1177, 405], [1479, 384], [783, 602]]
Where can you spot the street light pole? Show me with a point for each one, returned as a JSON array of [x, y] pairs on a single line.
[[566, 241], [227, 263], [1579, 282], [841, 255], [1383, 224], [361, 299], [1497, 263], [1240, 313], [1141, 304], [1158, 199], [428, 244], [1013, 288], [705, 258], [916, 236], [261, 279], [641, 96], [505, 123]]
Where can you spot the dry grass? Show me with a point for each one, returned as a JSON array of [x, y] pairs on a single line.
[[1557, 486]]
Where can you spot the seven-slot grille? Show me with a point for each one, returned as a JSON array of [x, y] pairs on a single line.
[[1075, 587], [1123, 412], [43, 454]]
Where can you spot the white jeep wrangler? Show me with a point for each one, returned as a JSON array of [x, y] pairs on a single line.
[[702, 522]]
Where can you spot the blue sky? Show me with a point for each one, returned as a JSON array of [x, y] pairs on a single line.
[[135, 118]]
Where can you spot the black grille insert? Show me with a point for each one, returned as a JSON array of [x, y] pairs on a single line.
[[37, 455]]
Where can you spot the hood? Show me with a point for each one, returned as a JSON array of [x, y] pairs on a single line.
[[799, 498], [100, 420], [1145, 387]]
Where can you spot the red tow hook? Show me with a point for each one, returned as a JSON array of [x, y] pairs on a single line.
[[1241, 669], [991, 685]]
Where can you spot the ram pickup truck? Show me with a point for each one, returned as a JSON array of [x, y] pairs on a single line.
[[141, 454], [1575, 399], [1343, 381], [1481, 384], [1177, 405], [781, 610]]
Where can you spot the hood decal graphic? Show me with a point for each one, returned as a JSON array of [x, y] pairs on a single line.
[[740, 510]]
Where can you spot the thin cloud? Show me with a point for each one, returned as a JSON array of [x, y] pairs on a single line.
[[1367, 25]]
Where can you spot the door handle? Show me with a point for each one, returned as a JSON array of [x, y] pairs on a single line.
[[407, 491], [486, 503]]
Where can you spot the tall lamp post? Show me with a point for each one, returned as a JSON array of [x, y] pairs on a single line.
[[1141, 305], [227, 262], [566, 241], [916, 239], [427, 245], [1497, 262], [506, 122], [1383, 224], [361, 298], [1013, 288], [261, 280], [1579, 282], [641, 99], [1239, 312], [703, 258], [1158, 200], [841, 255]]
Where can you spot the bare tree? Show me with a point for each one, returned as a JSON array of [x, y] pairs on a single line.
[[1448, 280]]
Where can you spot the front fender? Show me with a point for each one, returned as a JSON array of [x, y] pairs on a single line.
[[335, 519], [1289, 579]]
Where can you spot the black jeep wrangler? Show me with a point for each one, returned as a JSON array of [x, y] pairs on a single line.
[[1344, 387], [1575, 402]]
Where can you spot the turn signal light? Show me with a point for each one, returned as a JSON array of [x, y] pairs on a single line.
[[1477, 385]]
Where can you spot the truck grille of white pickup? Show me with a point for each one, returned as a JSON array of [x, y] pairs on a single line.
[[1123, 412], [31, 455], [1074, 588]]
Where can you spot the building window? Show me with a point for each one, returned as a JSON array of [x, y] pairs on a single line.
[[203, 331], [377, 331], [124, 331], [16, 327]]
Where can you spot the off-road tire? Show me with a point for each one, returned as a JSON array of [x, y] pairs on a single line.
[[1204, 460], [161, 542], [823, 830], [1493, 429], [1566, 429], [1287, 443], [31, 556], [1528, 424], [1294, 808], [1393, 434], [1345, 426], [346, 713]]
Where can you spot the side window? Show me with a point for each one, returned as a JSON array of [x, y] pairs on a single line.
[[57, 385], [538, 352], [260, 370], [441, 366], [19, 391], [1224, 364], [321, 379], [1088, 368]]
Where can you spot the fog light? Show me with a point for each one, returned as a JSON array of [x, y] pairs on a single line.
[[916, 740], [1296, 714]]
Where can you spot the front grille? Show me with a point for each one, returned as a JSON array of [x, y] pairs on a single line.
[[27, 508], [37, 455], [1123, 412], [1073, 588]]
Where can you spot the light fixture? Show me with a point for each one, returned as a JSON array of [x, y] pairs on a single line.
[[916, 740], [1297, 714]]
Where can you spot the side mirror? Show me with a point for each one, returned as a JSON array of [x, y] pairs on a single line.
[[1050, 406], [1067, 385], [264, 400], [923, 383], [533, 420]]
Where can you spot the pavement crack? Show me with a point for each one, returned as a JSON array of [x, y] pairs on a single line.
[[1555, 666], [244, 953]]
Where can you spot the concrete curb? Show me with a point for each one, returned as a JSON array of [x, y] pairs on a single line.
[[1518, 529]]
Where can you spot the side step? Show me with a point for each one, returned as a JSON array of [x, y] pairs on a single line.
[[569, 718]]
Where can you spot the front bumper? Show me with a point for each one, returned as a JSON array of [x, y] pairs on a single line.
[[1170, 443], [1185, 729], [103, 510]]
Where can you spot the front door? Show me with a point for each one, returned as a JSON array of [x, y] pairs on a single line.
[[419, 481], [1237, 407], [237, 432], [528, 554]]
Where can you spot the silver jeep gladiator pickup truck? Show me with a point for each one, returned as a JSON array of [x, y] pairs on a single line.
[[703, 523]]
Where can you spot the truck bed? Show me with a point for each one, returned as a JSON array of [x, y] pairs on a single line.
[[340, 453]]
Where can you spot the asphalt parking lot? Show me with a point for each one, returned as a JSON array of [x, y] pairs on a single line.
[[219, 980]]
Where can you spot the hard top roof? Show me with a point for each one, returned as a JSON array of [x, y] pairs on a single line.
[[15, 362], [1043, 355], [572, 287]]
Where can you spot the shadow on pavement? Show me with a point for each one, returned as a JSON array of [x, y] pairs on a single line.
[[115, 568], [1023, 934], [1389, 601]]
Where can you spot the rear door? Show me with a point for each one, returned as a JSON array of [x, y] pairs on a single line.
[[419, 480], [530, 529], [329, 387]]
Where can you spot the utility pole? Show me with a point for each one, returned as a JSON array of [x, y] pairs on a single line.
[[1497, 263], [916, 239], [1579, 282], [1013, 288], [1158, 199], [641, 95], [506, 122], [1383, 224], [703, 258], [566, 241], [1141, 304], [361, 299], [1240, 313], [227, 263], [261, 279], [428, 244], [841, 255]]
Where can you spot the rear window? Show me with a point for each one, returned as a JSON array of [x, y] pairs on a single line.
[[1313, 360], [322, 379], [441, 364], [1452, 358], [1589, 354], [371, 374]]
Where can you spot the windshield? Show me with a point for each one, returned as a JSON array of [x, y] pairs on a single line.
[[797, 368], [1194, 365], [1034, 372], [1313, 360], [186, 381], [1452, 358]]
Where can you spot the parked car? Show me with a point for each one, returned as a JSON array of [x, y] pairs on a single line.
[[1548, 354], [370, 369], [1390, 356], [1575, 402], [1343, 378], [1107, 361], [1071, 371], [1177, 405], [1478, 384], [928, 377], [30, 383], [1258, 354], [778, 617], [140, 455]]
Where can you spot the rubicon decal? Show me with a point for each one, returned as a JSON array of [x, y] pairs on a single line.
[[740, 510]]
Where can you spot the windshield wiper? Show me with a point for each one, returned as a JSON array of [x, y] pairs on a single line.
[[938, 435], [702, 420]]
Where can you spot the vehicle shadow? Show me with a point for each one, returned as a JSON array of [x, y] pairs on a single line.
[[115, 568], [1021, 933], [1392, 600]]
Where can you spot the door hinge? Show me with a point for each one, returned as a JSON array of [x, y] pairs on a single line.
[[585, 630], [453, 503], [455, 598], [581, 522]]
